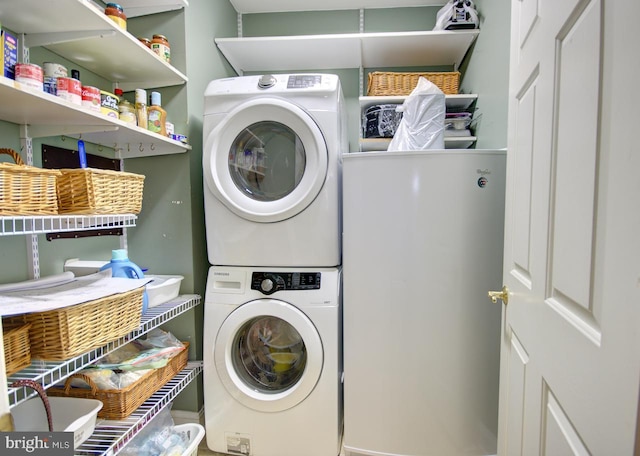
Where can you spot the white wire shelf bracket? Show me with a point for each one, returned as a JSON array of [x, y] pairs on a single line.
[[49, 373], [41, 224], [110, 437]]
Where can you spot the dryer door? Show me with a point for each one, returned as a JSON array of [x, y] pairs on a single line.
[[268, 355], [266, 160]]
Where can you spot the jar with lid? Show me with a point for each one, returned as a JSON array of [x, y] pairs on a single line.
[[127, 112], [145, 41], [160, 45], [115, 12]]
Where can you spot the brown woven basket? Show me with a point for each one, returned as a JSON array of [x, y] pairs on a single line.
[[120, 403], [26, 190], [397, 84], [61, 334], [99, 191], [17, 351]]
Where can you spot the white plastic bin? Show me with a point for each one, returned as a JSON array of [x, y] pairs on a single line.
[[196, 434]]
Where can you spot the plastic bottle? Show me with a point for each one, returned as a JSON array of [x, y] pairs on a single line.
[[126, 111], [141, 108], [157, 115], [121, 267]]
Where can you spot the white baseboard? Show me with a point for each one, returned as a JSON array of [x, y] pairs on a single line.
[[184, 416]]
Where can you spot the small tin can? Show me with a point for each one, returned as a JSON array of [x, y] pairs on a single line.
[[54, 69], [50, 85], [181, 138], [109, 104], [70, 89], [91, 98], [29, 75]]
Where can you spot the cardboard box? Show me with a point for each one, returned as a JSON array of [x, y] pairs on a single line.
[[10, 58]]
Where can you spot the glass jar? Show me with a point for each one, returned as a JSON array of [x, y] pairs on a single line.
[[116, 14], [160, 45], [127, 112], [145, 41]]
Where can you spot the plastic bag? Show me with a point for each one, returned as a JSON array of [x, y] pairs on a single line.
[[158, 438], [422, 124]]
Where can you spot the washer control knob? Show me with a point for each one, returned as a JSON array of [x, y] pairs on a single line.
[[266, 81], [267, 285]]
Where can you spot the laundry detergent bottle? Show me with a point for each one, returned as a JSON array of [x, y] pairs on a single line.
[[121, 267]]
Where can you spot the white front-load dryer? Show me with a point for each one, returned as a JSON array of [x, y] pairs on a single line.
[[272, 361], [272, 163]]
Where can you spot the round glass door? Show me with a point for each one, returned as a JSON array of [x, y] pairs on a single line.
[[266, 160], [268, 355]]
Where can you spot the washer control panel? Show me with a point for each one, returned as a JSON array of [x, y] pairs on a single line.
[[270, 282]]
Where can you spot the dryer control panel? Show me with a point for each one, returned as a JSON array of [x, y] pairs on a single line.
[[270, 282]]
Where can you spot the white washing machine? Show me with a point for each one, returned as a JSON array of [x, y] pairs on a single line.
[[272, 361], [272, 163]]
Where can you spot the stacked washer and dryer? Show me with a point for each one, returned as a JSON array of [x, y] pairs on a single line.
[[272, 318]]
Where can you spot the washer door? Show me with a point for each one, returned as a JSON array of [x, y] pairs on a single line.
[[268, 355], [266, 160]]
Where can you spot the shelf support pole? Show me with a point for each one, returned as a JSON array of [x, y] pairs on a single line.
[[33, 255], [361, 69]]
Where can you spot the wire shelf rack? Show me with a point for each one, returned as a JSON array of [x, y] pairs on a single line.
[[14, 225], [49, 373], [110, 437]]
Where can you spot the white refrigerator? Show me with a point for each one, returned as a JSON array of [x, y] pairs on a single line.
[[422, 245]]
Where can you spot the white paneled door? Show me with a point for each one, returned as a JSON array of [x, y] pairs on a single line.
[[570, 354]]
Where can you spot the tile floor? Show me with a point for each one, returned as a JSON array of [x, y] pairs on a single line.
[[204, 451]]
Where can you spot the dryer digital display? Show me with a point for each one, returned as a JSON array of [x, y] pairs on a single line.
[[303, 81], [270, 282]]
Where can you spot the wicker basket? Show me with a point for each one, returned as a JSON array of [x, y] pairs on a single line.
[[26, 190], [396, 84], [60, 334], [120, 403], [17, 351], [99, 191]]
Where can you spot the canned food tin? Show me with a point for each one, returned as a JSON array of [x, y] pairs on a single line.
[[70, 89], [109, 104], [50, 84], [29, 75], [91, 98], [54, 69]]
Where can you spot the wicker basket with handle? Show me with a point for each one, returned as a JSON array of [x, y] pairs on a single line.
[[99, 191], [400, 84], [26, 190], [120, 403]]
